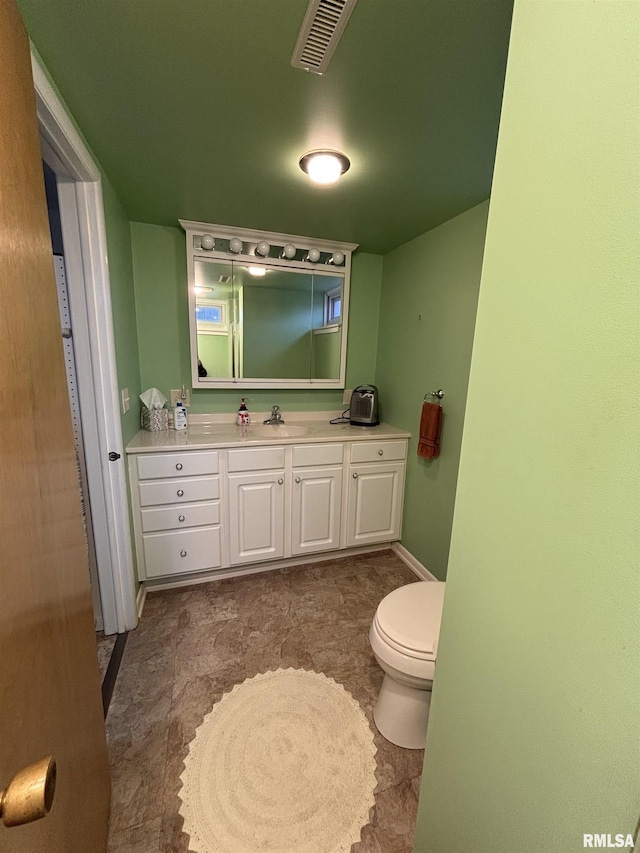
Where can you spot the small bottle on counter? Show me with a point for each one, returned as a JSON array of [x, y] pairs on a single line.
[[179, 417], [243, 414]]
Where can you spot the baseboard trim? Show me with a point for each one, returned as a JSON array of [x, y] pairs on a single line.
[[140, 599], [412, 562]]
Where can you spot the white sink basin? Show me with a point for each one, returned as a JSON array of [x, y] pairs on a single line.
[[278, 431]]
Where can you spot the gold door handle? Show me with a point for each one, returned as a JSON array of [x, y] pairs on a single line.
[[29, 795]]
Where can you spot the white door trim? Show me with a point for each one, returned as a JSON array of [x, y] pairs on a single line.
[[81, 197]]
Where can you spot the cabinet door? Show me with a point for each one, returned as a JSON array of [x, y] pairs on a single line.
[[375, 503], [315, 509], [256, 517]]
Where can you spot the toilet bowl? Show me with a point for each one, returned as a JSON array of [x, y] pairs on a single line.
[[404, 639]]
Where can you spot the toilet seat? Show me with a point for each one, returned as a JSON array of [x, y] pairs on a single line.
[[408, 619]]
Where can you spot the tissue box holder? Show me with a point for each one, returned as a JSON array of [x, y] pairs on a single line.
[[154, 420]]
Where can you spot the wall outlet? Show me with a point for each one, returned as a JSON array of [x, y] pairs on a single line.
[[176, 397], [125, 400], [346, 396]]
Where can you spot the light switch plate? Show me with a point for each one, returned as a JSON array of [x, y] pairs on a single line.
[[126, 400], [346, 396], [176, 397]]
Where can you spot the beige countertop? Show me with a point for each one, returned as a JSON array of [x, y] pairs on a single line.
[[203, 436]]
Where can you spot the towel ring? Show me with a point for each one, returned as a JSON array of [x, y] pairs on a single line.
[[439, 394]]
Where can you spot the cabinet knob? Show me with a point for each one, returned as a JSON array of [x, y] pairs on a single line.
[[181, 518], [297, 479], [280, 481], [179, 466], [183, 553], [180, 493], [380, 452], [355, 476]]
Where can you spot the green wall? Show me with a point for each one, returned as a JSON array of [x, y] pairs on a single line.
[[428, 310], [533, 736], [160, 272], [123, 306]]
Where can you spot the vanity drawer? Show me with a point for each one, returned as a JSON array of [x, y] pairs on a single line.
[[378, 451], [153, 466], [179, 491], [176, 517], [318, 454], [256, 459], [181, 551]]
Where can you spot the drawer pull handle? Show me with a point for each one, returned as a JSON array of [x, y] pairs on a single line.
[[181, 518], [298, 480], [180, 493], [179, 466], [183, 553], [380, 452], [280, 481], [355, 476]]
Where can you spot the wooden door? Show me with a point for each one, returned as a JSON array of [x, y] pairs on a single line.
[[316, 506], [49, 683]]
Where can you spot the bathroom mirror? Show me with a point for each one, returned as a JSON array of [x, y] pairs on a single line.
[[273, 320]]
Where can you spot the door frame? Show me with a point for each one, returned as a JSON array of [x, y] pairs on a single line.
[[84, 232]]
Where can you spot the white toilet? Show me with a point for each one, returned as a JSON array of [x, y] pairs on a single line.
[[404, 638]]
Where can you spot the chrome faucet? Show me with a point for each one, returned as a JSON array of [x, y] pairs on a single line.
[[276, 417]]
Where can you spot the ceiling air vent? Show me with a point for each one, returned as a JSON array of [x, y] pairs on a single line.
[[321, 31]]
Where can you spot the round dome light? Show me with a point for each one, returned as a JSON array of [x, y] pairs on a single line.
[[324, 167], [313, 255], [207, 242], [337, 258], [263, 248], [289, 251], [235, 245]]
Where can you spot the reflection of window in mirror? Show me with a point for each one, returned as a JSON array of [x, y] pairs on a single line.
[[211, 317], [333, 307]]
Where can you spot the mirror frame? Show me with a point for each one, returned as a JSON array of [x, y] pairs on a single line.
[[250, 238]]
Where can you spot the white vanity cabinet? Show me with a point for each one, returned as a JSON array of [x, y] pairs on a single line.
[[376, 488], [256, 485], [176, 512], [247, 502], [316, 499]]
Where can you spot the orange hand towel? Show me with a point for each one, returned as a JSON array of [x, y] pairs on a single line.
[[430, 429]]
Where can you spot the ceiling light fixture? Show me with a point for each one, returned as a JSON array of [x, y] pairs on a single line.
[[324, 167]]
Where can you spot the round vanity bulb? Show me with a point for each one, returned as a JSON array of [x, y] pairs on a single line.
[[337, 258], [314, 255], [207, 242], [263, 248], [235, 245], [324, 167], [289, 251], [257, 272]]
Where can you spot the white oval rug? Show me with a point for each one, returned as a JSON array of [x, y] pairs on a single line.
[[284, 763]]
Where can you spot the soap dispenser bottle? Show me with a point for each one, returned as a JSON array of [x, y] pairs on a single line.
[[243, 414], [179, 417]]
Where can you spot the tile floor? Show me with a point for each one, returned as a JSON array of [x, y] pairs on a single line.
[[194, 644]]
